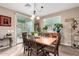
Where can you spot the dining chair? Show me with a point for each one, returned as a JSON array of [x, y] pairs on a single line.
[[35, 48], [53, 48], [25, 42], [47, 35]]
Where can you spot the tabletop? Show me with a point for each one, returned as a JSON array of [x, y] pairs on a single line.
[[46, 40]]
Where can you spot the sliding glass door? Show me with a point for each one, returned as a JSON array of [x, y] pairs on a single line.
[[23, 25]]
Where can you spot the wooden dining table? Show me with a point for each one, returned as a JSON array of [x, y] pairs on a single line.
[[42, 42], [45, 40]]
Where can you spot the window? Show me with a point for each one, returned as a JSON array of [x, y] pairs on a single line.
[[51, 21]]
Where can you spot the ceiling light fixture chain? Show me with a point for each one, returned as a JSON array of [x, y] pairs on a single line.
[[39, 10], [36, 8], [35, 11]]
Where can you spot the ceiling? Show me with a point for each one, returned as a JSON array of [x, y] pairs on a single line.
[[48, 7]]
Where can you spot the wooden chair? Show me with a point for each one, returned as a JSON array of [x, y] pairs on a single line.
[[35, 48], [25, 42], [50, 34], [53, 48]]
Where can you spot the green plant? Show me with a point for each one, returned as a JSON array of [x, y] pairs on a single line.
[[58, 27], [34, 33], [39, 31], [45, 28]]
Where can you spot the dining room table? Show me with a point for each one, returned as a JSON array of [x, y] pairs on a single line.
[[42, 41], [45, 40]]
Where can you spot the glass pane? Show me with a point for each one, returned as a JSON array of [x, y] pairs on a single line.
[[30, 26], [53, 20]]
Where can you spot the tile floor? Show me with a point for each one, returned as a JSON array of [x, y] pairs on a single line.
[[18, 51]]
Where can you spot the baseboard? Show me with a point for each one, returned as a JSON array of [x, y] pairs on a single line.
[[65, 44], [19, 43], [4, 47]]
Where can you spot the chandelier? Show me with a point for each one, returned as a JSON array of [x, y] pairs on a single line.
[[35, 16]]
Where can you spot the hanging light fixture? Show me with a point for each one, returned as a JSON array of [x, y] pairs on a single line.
[[34, 16], [37, 17]]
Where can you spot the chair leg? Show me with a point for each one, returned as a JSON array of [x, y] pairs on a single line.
[[24, 50], [37, 52], [43, 53], [29, 52], [47, 53], [57, 53]]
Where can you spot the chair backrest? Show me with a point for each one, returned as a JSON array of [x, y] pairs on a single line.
[[25, 40], [54, 35], [47, 34], [24, 35], [50, 34], [32, 43]]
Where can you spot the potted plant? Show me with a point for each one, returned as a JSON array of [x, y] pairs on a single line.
[[35, 33], [39, 31], [45, 28], [58, 27]]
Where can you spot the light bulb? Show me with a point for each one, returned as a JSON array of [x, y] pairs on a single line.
[[33, 16], [44, 20], [38, 17]]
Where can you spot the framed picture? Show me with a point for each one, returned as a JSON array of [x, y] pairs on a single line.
[[69, 20], [5, 20]]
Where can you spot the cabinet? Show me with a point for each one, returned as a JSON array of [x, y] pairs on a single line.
[[6, 41]]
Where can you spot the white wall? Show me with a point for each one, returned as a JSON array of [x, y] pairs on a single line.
[[4, 29], [71, 13]]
